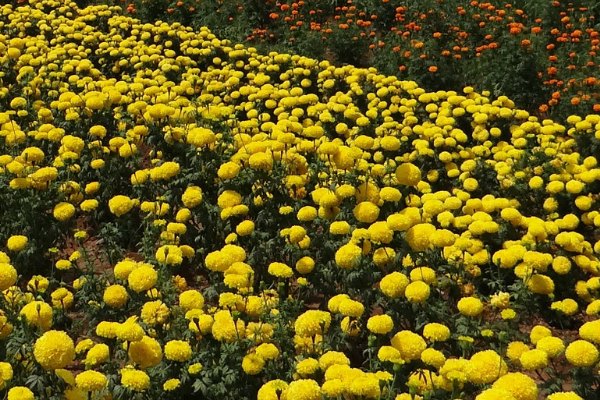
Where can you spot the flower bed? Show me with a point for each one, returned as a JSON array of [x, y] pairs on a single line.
[[182, 216]]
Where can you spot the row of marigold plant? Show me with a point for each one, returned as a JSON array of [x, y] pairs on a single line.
[[543, 55]]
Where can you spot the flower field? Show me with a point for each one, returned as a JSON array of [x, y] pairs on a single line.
[[549, 47], [182, 216]]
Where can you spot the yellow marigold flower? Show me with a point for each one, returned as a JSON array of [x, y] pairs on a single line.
[[418, 236], [306, 213], [123, 268], [261, 161], [380, 324], [38, 283], [54, 350], [115, 296], [454, 370], [470, 306], [366, 212], [553, 346], [146, 353], [142, 278], [424, 274], [389, 353], [120, 205], [63, 211], [135, 380], [582, 353], [390, 194], [267, 351], [6, 373], [408, 174], [224, 328], [436, 332], [564, 396], [271, 390], [433, 357], [91, 381], [500, 300], [39, 314], [307, 367], [366, 386], [62, 298], [191, 299], [245, 228], [155, 313], [228, 199], [165, 171], [20, 393], [195, 368], [192, 196], [84, 345], [540, 284], [519, 385], [280, 270], [178, 350], [183, 215], [534, 359], [107, 329], [286, 210], [228, 170], [98, 354], [566, 306], [508, 314], [470, 184], [312, 322], [6, 327], [409, 344], [253, 364], [348, 256], [169, 255], [339, 228], [417, 292], [16, 243], [351, 308], [515, 350], [129, 331], [8, 276], [538, 332], [171, 384], [333, 358], [495, 394], [379, 232], [200, 137], [305, 265], [350, 326]]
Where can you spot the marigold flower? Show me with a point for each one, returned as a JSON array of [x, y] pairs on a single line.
[[582, 353], [20, 393], [253, 364], [63, 211], [39, 314], [90, 381], [142, 278], [380, 324], [135, 380], [8, 276], [178, 350], [115, 296], [519, 385], [146, 353], [409, 344], [16, 243], [54, 350]]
